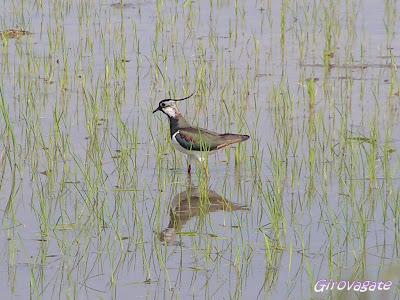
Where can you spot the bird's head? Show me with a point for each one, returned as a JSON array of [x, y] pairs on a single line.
[[168, 107]]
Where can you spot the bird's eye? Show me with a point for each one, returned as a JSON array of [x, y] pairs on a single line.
[[162, 104]]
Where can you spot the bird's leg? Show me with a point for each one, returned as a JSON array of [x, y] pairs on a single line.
[[189, 164], [189, 179]]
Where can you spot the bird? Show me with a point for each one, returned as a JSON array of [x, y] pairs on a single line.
[[194, 141]]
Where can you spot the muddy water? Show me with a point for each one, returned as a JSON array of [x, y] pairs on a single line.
[[94, 200]]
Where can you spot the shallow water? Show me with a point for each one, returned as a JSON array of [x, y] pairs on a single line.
[[90, 181]]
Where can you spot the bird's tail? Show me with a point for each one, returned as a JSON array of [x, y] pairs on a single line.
[[230, 138]]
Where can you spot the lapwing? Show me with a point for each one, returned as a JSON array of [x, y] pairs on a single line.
[[194, 141]]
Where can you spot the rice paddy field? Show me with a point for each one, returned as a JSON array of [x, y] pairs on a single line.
[[95, 203]]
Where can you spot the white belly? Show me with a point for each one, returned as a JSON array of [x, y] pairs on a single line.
[[200, 155]]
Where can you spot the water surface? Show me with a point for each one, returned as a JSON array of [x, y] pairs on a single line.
[[95, 202]]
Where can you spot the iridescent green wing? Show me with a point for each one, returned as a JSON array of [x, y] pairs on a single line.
[[197, 139]]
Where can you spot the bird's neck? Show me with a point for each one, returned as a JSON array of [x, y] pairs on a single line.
[[177, 122]]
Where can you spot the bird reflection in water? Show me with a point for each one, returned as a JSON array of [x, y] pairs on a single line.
[[191, 203]]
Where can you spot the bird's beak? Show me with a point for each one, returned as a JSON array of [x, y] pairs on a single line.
[[157, 109]]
